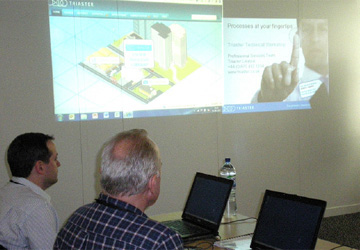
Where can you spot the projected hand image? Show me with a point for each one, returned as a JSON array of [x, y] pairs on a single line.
[[282, 81]]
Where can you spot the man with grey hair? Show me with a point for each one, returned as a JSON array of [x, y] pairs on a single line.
[[130, 181]]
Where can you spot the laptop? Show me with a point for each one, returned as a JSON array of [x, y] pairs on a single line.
[[203, 209], [287, 221]]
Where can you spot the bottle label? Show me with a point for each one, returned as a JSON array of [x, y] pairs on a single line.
[[233, 178]]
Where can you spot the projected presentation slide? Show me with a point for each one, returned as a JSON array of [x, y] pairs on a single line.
[[272, 64], [135, 58], [125, 59]]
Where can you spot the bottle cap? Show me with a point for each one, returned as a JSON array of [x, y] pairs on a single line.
[[227, 159]]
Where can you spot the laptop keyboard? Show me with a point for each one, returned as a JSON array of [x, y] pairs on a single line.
[[184, 228]]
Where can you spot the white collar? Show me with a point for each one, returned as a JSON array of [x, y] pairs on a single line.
[[35, 188], [310, 74]]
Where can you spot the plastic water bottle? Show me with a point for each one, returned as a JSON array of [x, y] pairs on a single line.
[[228, 171]]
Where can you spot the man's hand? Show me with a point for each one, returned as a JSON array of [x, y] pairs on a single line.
[[279, 80]]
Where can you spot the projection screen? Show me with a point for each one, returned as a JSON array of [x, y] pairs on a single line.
[[129, 59]]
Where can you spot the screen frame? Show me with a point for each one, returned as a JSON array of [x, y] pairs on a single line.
[[226, 184], [257, 243]]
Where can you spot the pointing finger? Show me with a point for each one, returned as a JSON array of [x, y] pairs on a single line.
[[295, 51]]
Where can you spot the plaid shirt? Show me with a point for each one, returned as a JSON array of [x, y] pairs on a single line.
[[113, 224]]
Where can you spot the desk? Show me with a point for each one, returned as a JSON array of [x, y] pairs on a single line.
[[243, 225]]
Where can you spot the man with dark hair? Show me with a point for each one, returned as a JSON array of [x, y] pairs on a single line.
[[130, 181], [27, 218]]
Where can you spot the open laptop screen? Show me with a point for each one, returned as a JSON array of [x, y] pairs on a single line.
[[207, 200], [288, 222]]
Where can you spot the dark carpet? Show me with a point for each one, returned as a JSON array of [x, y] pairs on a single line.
[[342, 229]]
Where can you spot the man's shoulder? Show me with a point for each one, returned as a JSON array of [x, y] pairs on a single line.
[[165, 230], [21, 195], [157, 235], [117, 226], [158, 225], [84, 211]]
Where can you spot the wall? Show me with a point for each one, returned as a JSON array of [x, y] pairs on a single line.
[[311, 152]]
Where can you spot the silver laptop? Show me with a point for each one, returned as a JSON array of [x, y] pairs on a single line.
[[203, 209]]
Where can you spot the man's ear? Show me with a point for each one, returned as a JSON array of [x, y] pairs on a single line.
[[152, 184], [152, 191], [39, 167]]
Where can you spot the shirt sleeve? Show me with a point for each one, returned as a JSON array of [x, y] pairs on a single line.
[[41, 226], [174, 241]]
